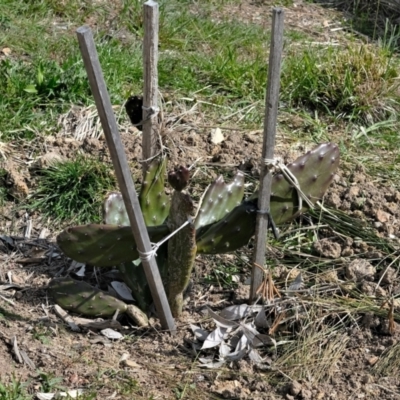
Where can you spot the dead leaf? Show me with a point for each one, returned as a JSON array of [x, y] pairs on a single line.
[[214, 338], [6, 51]]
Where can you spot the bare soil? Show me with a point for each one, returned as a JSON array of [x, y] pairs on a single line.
[[150, 363]]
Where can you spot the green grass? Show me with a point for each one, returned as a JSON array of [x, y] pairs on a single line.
[[15, 390], [73, 190], [357, 83]]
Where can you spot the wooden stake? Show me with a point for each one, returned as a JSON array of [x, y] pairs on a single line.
[[151, 134], [123, 173], [271, 113]]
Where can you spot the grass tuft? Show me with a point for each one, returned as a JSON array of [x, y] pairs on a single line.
[[73, 190], [359, 82]]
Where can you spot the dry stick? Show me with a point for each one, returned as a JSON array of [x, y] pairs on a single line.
[[150, 75], [271, 113], [124, 176]]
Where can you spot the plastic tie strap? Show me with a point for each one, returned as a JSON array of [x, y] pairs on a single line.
[[146, 256], [271, 163]]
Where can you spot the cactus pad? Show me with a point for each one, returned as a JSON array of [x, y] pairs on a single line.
[[219, 199], [314, 172], [154, 202], [104, 245], [114, 211], [82, 298], [233, 231]]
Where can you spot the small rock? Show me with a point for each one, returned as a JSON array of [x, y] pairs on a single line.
[[327, 248], [347, 252], [366, 379], [294, 388], [372, 360], [371, 289], [359, 270], [382, 216], [388, 276]]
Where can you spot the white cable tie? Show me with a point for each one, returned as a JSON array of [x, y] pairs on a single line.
[[291, 178], [146, 256], [152, 111]]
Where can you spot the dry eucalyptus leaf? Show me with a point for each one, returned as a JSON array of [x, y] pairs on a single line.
[[200, 333], [122, 290], [214, 338], [221, 321], [236, 312]]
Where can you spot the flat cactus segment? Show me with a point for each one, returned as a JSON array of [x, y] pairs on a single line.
[[233, 231], [114, 211], [84, 299], [314, 172], [104, 245], [219, 199], [154, 202], [181, 250]]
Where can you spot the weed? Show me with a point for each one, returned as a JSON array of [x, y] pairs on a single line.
[[73, 190], [13, 391], [224, 275], [49, 382], [42, 334]]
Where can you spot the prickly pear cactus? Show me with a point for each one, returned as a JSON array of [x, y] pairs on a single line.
[[223, 223]]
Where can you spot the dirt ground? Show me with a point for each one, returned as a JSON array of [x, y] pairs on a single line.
[[153, 364]]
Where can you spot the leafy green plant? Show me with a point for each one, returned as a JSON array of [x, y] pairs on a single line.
[[49, 382], [13, 391], [73, 190], [223, 223]]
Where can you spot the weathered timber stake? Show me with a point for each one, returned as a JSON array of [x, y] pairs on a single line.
[[151, 134], [123, 173], [271, 113]]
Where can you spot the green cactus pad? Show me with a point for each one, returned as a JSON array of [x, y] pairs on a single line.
[[84, 299], [314, 172], [114, 211], [104, 245], [219, 199], [231, 232], [154, 202]]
